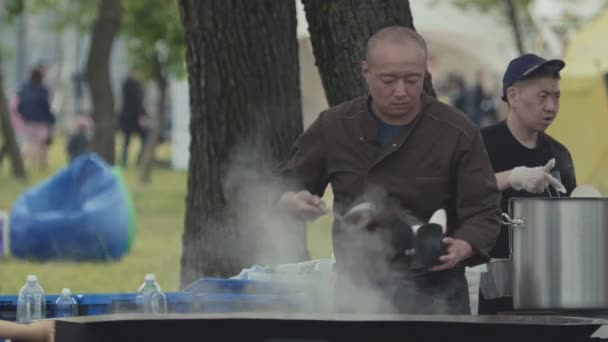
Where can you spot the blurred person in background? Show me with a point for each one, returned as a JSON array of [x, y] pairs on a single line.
[[483, 109], [17, 123], [133, 115], [457, 92], [527, 161], [80, 138], [35, 110]]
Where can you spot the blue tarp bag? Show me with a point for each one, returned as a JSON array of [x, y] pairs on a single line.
[[80, 213]]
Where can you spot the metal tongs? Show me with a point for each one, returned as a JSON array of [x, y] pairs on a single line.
[[554, 180], [555, 189], [359, 215]]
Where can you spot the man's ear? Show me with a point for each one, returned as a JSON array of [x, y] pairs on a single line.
[[511, 94], [364, 69], [440, 217]]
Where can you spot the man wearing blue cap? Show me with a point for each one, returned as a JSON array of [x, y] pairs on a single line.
[[526, 160]]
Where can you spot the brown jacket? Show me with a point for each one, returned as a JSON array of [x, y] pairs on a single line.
[[439, 161]]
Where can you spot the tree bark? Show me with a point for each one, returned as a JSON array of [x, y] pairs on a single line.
[[98, 76], [339, 30], [515, 25], [160, 78], [10, 145], [243, 72]]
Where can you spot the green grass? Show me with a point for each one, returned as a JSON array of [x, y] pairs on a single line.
[[157, 249]]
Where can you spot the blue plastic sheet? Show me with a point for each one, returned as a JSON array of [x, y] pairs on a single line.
[[80, 213]]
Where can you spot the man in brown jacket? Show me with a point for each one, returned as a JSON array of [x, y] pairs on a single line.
[[423, 153]]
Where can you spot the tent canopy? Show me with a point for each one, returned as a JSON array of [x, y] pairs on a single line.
[[583, 118]]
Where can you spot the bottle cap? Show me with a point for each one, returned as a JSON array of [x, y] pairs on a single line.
[[66, 292], [150, 276], [31, 277]]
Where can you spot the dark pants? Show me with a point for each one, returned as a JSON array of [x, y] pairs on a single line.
[[444, 292], [494, 306], [143, 136]]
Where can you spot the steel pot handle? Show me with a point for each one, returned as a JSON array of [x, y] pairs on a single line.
[[513, 223]]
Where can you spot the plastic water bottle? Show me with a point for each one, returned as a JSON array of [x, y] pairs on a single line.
[[66, 304], [150, 298], [31, 303]]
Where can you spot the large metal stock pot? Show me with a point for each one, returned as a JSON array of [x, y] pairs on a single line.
[[559, 251]]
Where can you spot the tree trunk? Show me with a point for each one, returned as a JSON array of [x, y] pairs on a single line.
[[98, 76], [243, 72], [154, 138], [515, 25], [9, 143], [339, 30]]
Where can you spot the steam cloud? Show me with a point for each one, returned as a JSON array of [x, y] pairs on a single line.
[[269, 236]]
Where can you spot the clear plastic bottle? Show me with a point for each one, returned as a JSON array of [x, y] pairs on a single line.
[[66, 304], [150, 298], [31, 303]]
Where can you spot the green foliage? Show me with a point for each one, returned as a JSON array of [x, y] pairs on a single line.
[[568, 22], [497, 8], [489, 5], [152, 28], [64, 14], [572, 22], [11, 10], [79, 15]]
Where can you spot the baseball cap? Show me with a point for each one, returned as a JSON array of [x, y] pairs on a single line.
[[523, 66]]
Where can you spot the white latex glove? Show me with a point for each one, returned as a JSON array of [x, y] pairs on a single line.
[[535, 179]]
